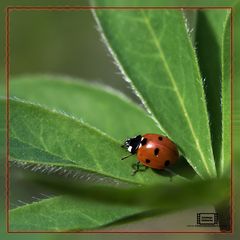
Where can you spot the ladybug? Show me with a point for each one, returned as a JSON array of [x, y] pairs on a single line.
[[153, 150]]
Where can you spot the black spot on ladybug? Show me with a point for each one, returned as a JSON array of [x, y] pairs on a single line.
[[147, 161], [144, 141], [156, 151], [160, 138], [167, 162]]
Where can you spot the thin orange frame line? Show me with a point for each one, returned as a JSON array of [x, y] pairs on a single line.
[[77, 8]]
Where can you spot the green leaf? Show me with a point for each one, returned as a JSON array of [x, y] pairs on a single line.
[[209, 35], [156, 196], [165, 3], [191, 23], [154, 52], [226, 100], [66, 213], [99, 106], [49, 138], [113, 204]]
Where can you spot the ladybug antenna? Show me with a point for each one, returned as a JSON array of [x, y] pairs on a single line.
[[126, 157]]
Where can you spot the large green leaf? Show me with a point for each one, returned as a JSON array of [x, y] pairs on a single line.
[[209, 34], [82, 212], [66, 213], [154, 52], [226, 100], [165, 3], [191, 23], [49, 138], [100, 106], [155, 196]]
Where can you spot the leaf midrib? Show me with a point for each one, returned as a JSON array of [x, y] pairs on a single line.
[[69, 118], [43, 150], [75, 165], [222, 160], [173, 82]]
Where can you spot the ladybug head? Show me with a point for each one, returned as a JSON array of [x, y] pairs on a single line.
[[132, 144]]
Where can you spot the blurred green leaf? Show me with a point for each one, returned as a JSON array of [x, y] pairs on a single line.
[[49, 138], [209, 35], [113, 204], [155, 196], [100, 106], [226, 100], [162, 67]]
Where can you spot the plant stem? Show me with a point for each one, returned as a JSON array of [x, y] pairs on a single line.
[[223, 211]]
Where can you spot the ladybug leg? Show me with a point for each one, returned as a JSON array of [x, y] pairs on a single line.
[[145, 168], [136, 168], [171, 173], [126, 156]]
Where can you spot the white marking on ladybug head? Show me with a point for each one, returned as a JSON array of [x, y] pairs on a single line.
[[129, 148]]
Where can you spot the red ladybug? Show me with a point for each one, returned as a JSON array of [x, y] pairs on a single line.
[[153, 150]]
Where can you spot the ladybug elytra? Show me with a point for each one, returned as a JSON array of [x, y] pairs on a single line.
[[153, 150]]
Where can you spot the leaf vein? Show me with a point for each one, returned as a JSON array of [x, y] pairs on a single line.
[[175, 87]]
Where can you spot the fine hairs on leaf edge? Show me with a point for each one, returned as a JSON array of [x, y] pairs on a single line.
[[92, 85], [36, 202], [203, 97], [123, 73], [34, 199], [86, 125], [39, 166], [68, 172], [189, 31], [65, 115], [127, 79], [222, 170]]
